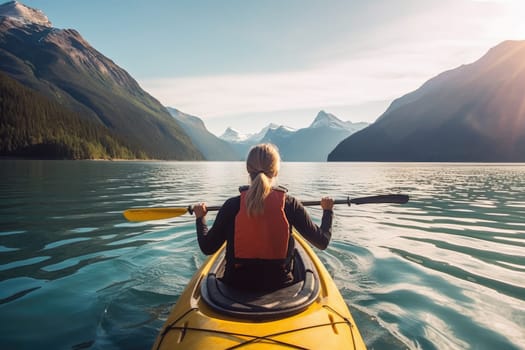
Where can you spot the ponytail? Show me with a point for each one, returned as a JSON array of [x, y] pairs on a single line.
[[262, 164]]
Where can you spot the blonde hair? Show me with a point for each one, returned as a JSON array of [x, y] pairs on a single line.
[[262, 163]]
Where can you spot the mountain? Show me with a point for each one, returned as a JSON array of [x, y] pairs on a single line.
[[314, 143], [60, 65], [232, 135], [281, 136], [328, 120], [208, 144], [277, 135], [242, 143], [258, 137], [310, 144], [474, 113]]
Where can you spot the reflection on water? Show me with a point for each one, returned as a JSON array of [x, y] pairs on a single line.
[[446, 270]]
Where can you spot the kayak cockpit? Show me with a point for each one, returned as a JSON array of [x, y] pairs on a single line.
[[284, 302]]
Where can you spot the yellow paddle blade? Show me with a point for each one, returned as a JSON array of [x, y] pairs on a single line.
[[145, 214]]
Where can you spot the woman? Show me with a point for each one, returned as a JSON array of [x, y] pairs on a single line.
[[257, 227]]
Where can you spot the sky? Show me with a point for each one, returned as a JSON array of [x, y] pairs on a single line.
[[247, 63]]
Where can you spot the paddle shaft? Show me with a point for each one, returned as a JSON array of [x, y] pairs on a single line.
[[386, 198]]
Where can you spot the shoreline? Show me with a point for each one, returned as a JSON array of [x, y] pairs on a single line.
[[2, 158]]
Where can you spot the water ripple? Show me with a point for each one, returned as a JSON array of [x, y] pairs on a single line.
[[445, 270]]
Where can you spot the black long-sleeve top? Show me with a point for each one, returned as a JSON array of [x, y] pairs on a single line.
[[224, 227]]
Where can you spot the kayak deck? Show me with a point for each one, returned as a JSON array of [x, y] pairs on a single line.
[[311, 315]]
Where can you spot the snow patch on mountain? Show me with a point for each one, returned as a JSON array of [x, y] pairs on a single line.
[[233, 135], [25, 14], [329, 120], [257, 137]]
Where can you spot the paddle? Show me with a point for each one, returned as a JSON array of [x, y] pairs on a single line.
[[146, 214]]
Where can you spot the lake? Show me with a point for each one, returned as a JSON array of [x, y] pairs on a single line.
[[444, 271]]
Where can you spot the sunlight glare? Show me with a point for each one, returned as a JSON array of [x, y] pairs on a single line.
[[512, 22]]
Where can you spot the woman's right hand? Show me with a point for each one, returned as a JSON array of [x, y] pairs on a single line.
[[200, 210]]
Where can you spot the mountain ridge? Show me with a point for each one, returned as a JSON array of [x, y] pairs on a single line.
[[60, 64], [297, 144], [212, 147], [473, 113]]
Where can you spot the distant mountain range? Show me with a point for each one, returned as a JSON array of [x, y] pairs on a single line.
[[474, 113], [294, 145], [60, 66], [242, 143], [233, 135], [314, 143], [310, 144]]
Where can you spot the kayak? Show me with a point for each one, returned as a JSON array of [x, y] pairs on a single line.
[[308, 314]]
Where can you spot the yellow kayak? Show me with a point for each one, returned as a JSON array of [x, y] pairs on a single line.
[[309, 314]]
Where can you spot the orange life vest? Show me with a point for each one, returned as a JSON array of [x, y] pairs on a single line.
[[264, 236]]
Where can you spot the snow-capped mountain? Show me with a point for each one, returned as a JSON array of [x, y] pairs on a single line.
[[242, 143], [16, 11], [233, 135], [329, 120], [278, 135], [257, 137], [312, 143]]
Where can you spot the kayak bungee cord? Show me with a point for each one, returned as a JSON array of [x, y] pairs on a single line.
[[171, 325], [350, 325], [254, 338], [268, 337]]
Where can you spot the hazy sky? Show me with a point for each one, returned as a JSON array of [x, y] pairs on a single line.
[[246, 63]]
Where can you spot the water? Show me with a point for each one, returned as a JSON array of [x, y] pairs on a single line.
[[444, 271]]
